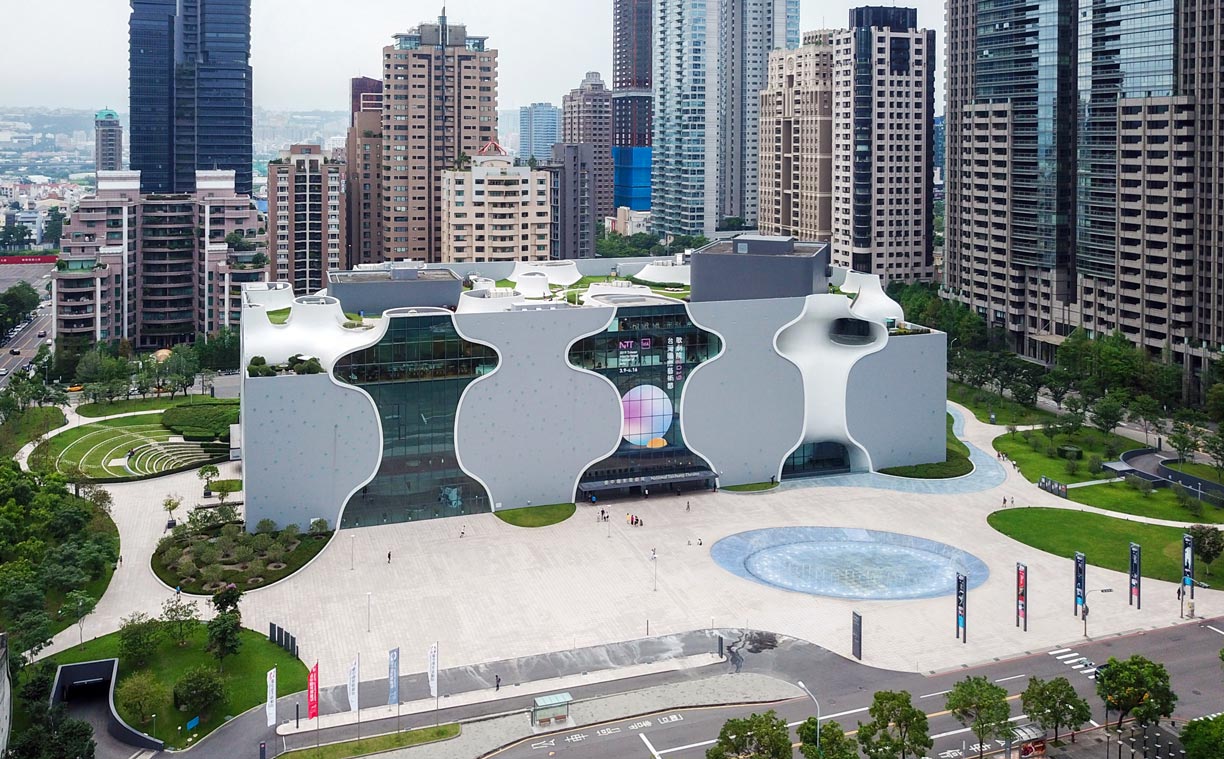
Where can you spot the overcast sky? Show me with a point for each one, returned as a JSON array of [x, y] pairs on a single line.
[[73, 53]]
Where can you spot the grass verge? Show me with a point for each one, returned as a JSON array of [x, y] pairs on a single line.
[[956, 462], [982, 402], [1105, 541], [347, 749], [1161, 504], [537, 516], [751, 487], [94, 410], [1202, 471], [1037, 455], [243, 675], [30, 426]]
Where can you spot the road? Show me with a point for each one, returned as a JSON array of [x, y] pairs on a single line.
[[1190, 652], [27, 341]]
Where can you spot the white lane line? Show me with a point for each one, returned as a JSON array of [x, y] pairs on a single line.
[[1016, 718], [677, 748], [1059, 651], [1013, 677], [827, 717], [942, 692], [1209, 627], [649, 747], [1071, 655]]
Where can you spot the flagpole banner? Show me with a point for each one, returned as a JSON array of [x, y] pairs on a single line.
[[312, 693], [1081, 580], [270, 706], [433, 670], [962, 603], [393, 676], [1022, 595], [1136, 565], [354, 677], [1188, 562]]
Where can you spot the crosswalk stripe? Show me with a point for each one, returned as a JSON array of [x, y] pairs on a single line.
[[1059, 651], [1071, 655]]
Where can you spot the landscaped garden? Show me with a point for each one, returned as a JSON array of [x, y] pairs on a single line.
[[982, 402], [377, 744], [1130, 497], [27, 427], [1105, 541], [1067, 457], [956, 463], [212, 550], [179, 668], [94, 410], [537, 516], [135, 447], [751, 487]]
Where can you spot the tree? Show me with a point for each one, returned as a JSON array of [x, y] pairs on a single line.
[[224, 636], [199, 689], [1204, 738], [896, 729], [1057, 383], [51, 734], [1213, 446], [99, 496], [1215, 402], [172, 503], [181, 369], [1208, 543], [28, 635], [1073, 420], [178, 616], [833, 741], [1136, 686], [227, 599], [53, 227], [760, 736], [140, 692], [981, 706], [1146, 412], [1108, 411], [79, 605], [1187, 437], [138, 638], [207, 474], [1054, 704]]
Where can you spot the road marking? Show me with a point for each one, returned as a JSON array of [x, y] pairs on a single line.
[[1077, 666], [1013, 677], [1059, 651], [1094, 723], [1016, 718], [649, 747], [679, 748], [1071, 655], [1209, 627], [827, 717], [929, 695]]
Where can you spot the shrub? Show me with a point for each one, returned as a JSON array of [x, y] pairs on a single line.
[[226, 545], [265, 526], [138, 638], [318, 526], [243, 553], [140, 693], [260, 542], [231, 531], [1111, 450], [206, 553], [171, 555], [1181, 493], [212, 574], [289, 534], [276, 552], [1195, 507], [255, 568], [212, 419], [1094, 464], [1139, 484], [1072, 466], [188, 568], [199, 689], [1027, 435]]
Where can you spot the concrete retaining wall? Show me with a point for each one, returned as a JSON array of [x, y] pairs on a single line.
[[102, 670]]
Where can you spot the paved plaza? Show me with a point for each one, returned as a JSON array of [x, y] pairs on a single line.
[[489, 591]]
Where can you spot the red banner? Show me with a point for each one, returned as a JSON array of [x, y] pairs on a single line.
[[29, 259], [312, 693]]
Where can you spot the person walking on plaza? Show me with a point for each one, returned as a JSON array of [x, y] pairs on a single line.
[[688, 506], [388, 557], [497, 682]]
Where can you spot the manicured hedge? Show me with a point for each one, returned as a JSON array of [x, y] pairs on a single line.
[[205, 421]]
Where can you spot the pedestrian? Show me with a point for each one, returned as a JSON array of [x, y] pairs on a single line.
[[388, 557], [496, 682], [627, 521], [698, 541], [653, 555], [640, 522], [688, 506], [645, 492], [120, 559], [1005, 501], [1013, 500], [462, 530]]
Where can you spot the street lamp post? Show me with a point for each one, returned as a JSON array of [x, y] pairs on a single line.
[[154, 725], [1084, 609], [814, 701]]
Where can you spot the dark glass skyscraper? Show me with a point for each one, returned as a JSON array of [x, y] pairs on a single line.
[[190, 91]]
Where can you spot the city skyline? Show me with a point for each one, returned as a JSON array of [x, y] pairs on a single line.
[[289, 77]]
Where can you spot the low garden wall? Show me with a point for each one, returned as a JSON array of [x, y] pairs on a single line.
[[97, 671]]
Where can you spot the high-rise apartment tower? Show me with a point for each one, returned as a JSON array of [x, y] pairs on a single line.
[[586, 118], [108, 141], [539, 130], [632, 65]]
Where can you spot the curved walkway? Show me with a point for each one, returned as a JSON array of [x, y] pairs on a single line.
[[987, 472], [73, 420]]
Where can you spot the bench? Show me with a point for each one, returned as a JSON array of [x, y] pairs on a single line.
[[544, 721]]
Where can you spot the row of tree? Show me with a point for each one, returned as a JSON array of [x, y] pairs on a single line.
[[218, 352], [16, 305], [1135, 688], [644, 244]]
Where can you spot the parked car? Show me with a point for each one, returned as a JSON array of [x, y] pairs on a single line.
[[75, 388], [3, 371]]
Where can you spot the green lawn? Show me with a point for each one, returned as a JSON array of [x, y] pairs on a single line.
[[956, 463], [226, 486], [751, 487], [244, 676], [1161, 504], [379, 743], [93, 447], [34, 423], [982, 402], [1105, 541], [1034, 463], [537, 516], [279, 316], [1202, 471], [94, 410], [199, 420]]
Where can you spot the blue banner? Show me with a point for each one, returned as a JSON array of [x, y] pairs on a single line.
[[393, 676], [193, 723]]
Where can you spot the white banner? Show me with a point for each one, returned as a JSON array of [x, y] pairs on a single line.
[[270, 706], [433, 670], [354, 678], [393, 676]]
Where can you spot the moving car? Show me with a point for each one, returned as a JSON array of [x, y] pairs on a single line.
[[15, 351], [42, 333]]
